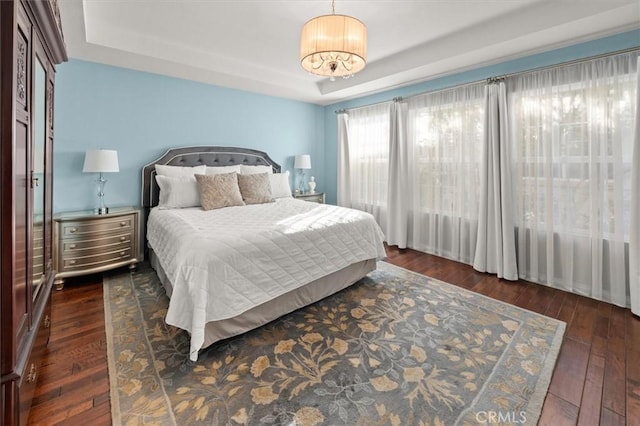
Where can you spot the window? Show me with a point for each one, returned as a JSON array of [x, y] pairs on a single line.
[[445, 130], [368, 130], [573, 135]]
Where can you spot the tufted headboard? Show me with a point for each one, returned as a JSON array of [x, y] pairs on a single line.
[[211, 156]]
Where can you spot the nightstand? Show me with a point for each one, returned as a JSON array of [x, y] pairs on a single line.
[[316, 197], [87, 243]]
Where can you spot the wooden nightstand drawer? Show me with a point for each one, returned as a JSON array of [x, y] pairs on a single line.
[[87, 243], [96, 244], [89, 228], [317, 197], [70, 263], [38, 258]]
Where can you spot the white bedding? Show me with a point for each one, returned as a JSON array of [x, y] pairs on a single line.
[[224, 262]]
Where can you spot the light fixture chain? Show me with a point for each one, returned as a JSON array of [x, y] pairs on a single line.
[[333, 6]]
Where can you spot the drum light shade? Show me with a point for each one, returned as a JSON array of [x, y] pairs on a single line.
[[333, 46]]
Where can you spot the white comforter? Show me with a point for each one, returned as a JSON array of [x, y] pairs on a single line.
[[224, 262]]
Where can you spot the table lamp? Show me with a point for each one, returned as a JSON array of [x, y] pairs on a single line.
[[302, 162], [101, 161]]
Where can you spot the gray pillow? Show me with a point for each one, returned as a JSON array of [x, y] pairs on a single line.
[[217, 191], [255, 188]]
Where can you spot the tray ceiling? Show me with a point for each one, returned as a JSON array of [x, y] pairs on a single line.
[[253, 44]]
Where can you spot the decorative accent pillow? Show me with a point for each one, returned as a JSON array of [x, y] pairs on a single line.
[[219, 191], [280, 185], [255, 188], [178, 192], [178, 171], [254, 170], [211, 170]]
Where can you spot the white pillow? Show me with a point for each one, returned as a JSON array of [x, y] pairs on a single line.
[[280, 185], [211, 170], [254, 170], [178, 192], [178, 171]]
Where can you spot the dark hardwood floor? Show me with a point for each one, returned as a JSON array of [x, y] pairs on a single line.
[[596, 379]]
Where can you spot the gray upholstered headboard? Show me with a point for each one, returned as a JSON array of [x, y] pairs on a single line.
[[211, 156]]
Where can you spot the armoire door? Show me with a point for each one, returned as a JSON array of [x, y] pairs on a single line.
[[21, 181], [39, 173]]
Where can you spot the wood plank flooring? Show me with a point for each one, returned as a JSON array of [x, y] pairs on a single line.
[[596, 379]]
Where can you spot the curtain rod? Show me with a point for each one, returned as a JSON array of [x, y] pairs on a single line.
[[572, 62], [493, 78], [403, 98], [344, 110]]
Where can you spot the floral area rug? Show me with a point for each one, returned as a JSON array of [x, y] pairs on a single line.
[[396, 348]]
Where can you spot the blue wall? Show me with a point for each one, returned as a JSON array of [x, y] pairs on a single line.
[[604, 45], [141, 115]]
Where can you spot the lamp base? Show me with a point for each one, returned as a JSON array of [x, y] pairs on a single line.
[[101, 210]]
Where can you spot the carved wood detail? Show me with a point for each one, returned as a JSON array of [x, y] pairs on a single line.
[[22, 70], [50, 105]]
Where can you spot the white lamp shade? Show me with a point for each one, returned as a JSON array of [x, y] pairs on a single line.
[[302, 162], [333, 45], [101, 161]]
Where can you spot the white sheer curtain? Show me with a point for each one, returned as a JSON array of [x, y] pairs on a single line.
[[496, 248], [344, 175], [368, 136], [416, 166], [444, 138], [400, 180], [634, 232], [572, 132]]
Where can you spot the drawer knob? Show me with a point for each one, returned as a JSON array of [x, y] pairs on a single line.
[[33, 374], [122, 253], [73, 230], [123, 238], [72, 246], [47, 322], [72, 262], [123, 223]]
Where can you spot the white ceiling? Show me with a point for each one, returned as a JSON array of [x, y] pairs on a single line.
[[253, 45]]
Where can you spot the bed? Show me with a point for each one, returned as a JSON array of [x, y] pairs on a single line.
[[233, 269]]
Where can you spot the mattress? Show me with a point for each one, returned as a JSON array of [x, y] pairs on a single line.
[[224, 262]]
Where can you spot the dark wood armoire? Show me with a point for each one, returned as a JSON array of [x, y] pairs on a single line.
[[31, 43]]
